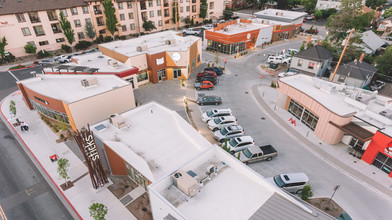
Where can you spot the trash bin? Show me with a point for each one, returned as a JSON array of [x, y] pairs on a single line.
[[273, 65]]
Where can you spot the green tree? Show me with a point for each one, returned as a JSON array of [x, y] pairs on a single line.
[[13, 107], [309, 5], [302, 48], [387, 13], [62, 169], [111, 20], [306, 193], [67, 29], [3, 43], [90, 30], [375, 3], [175, 5], [285, 4], [148, 25], [30, 49], [98, 211], [227, 13], [318, 14], [384, 63], [203, 9]]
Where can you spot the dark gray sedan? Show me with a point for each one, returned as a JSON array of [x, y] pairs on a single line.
[[209, 100]]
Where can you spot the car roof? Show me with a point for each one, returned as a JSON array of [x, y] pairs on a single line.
[[294, 177], [234, 128], [244, 139], [254, 149], [223, 110], [227, 118]]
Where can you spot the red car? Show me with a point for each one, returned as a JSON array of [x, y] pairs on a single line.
[[207, 73]]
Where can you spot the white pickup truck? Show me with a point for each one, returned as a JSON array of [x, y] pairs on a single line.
[[256, 153], [191, 31], [279, 59]]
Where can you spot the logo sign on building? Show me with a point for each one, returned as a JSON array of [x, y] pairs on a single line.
[[388, 149], [85, 140], [160, 61]]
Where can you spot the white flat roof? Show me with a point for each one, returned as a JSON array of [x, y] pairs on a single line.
[[240, 28], [281, 13], [268, 21], [235, 192], [155, 141], [100, 61], [154, 42], [68, 88]]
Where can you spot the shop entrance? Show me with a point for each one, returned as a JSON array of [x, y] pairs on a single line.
[[383, 162]]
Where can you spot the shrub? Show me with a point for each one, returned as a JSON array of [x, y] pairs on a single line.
[[273, 85], [327, 208], [30, 49], [65, 48], [43, 54], [61, 136], [16, 67], [123, 37], [82, 45], [8, 58], [306, 193], [108, 39]]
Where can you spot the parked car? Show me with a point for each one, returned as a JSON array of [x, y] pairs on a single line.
[[240, 143], [312, 31], [221, 122], [207, 73], [63, 58], [304, 20], [228, 132], [291, 182], [257, 153], [204, 85], [218, 70], [191, 31], [377, 85], [46, 61], [209, 100], [215, 113], [289, 51], [279, 59], [208, 26], [309, 17], [212, 79], [389, 38], [282, 74]]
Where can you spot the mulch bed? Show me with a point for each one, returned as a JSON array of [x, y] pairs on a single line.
[[324, 204]]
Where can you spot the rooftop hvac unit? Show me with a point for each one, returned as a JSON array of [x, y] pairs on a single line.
[[118, 121], [242, 25], [184, 182], [141, 48], [170, 41], [279, 13], [89, 82], [265, 22], [112, 63], [226, 29]]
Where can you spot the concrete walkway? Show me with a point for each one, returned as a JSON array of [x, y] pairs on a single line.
[[40, 142], [337, 155]]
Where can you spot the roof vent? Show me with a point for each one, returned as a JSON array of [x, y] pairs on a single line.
[[113, 63], [279, 13], [101, 57], [141, 48], [89, 82], [170, 41], [118, 121]]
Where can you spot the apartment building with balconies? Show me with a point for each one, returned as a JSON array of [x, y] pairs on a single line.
[[31, 22]]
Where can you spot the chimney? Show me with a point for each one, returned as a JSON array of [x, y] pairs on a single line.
[[361, 58]]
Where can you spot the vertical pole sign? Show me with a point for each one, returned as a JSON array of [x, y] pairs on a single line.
[[85, 140]]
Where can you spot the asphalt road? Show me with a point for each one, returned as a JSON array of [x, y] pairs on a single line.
[[360, 201], [24, 193]]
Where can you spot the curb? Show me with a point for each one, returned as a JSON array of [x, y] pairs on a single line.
[[47, 174]]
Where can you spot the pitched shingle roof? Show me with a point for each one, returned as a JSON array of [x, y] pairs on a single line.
[[357, 70], [16, 6], [372, 41], [315, 53]]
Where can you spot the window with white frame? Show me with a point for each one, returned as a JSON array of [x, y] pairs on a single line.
[[26, 31]]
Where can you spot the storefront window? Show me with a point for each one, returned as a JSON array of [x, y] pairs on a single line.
[[303, 114], [142, 76], [136, 176], [226, 48], [383, 162], [49, 112]]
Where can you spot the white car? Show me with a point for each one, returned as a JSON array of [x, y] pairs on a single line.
[[294, 51], [240, 143], [279, 60], [191, 31], [228, 132], [208, 26], [221, 122], [292, 182], [63, 58], [282, 74], [215, 113]]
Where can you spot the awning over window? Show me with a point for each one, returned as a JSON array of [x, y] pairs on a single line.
[[355, 130]]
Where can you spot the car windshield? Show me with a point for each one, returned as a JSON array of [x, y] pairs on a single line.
[[279, 182], [233, 142], [209, 113], [217, 121], [247, 153], [223, 131]]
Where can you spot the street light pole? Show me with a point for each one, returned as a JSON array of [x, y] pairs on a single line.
[[341, 56]]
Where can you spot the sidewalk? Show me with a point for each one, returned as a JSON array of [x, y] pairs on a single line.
[[40, 141], [337, 155]]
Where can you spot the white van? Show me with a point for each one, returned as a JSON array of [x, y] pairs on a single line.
[[291, 182]]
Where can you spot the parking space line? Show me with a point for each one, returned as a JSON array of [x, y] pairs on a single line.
[[13, 76]]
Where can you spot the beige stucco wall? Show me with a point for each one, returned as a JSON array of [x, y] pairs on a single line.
[[324, 130], [11, 29], [139, 61], [217, 11], [97, 108]]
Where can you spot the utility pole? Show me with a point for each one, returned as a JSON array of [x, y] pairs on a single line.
[[254, 5], [137, 18], [341, 56], [176, 12]]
